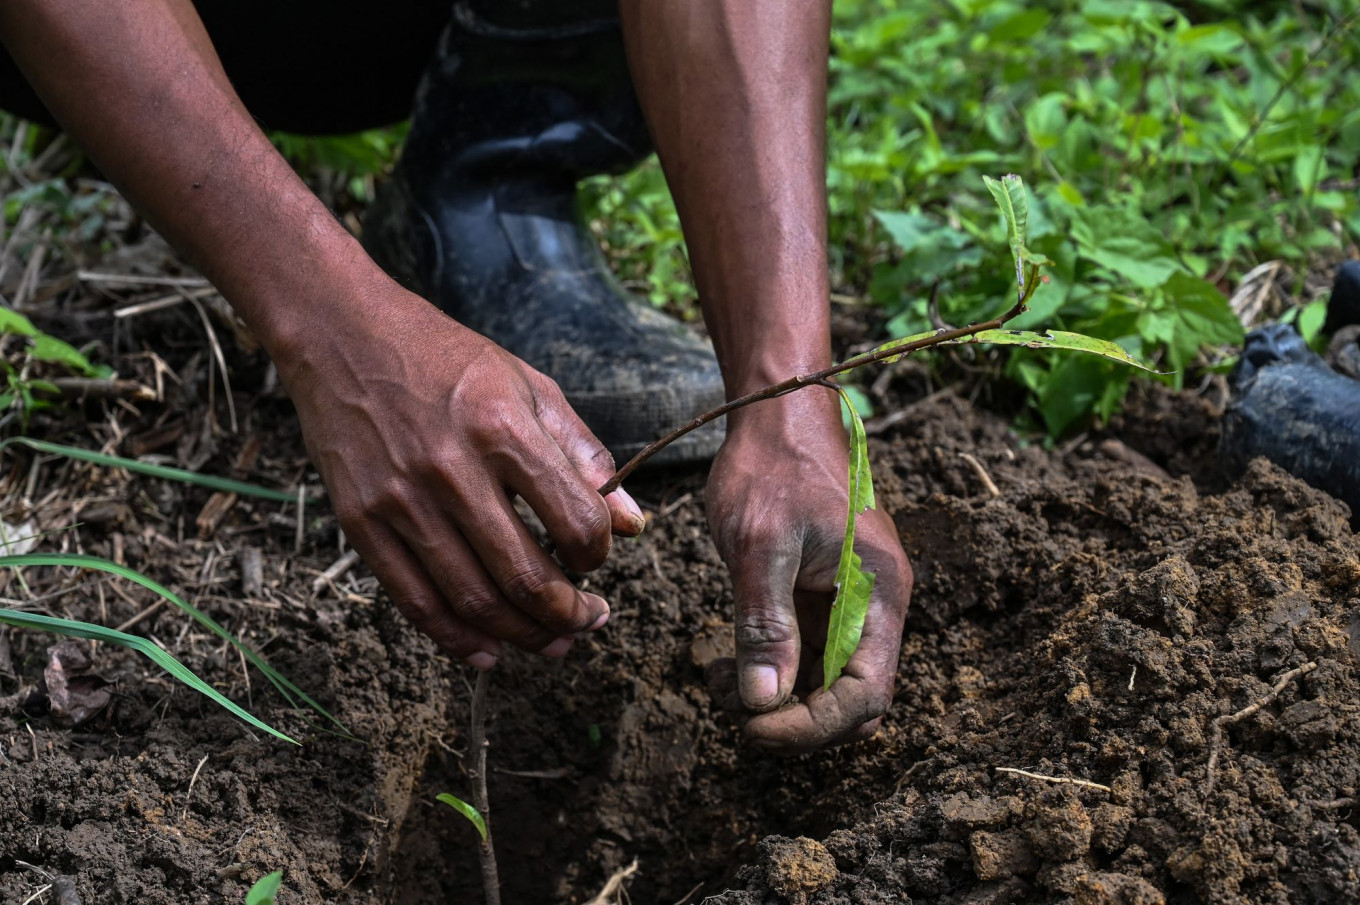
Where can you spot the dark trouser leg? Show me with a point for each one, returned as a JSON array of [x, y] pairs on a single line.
[[312, 66], [521, 101]]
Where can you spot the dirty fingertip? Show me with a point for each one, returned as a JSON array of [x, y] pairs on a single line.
[[627, 514], [482, 660], [600, 621], [558, 648], [759, 686]]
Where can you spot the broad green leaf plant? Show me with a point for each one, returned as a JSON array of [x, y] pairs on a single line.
[[854, 586]]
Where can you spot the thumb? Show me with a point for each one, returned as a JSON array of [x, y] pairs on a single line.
[[767, 625]]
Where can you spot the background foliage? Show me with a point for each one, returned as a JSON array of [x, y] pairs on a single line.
[[1169, 149]]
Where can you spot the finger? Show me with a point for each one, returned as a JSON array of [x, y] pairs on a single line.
[[418, 599], [577, 518], [473, 595], [591, 461], [763, 577], [521, 570]]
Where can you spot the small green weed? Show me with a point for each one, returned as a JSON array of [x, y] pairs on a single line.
[[265, 889]]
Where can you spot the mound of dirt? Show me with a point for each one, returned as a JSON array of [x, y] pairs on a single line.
[[1091, 622], [1177, 668]]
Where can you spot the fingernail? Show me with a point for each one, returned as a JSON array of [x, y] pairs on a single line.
[[633, 508], [599, 623], [558, 648], [482, 660], [759, 686]]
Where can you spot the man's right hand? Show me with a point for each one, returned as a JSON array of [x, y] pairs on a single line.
[[424, 431]]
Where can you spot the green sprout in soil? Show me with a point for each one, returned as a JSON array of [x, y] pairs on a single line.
[[854, 586], [265, 889]]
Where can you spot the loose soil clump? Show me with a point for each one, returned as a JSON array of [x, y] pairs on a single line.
[[1091, 623]]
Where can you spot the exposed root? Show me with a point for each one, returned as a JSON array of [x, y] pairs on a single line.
[[985, 478], [1059, 780], [1216, 742], [611, 889]]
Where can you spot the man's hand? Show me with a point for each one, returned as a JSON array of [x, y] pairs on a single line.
[[777, 499], [424, 431]]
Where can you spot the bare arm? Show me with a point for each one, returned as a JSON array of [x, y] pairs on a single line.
[[422, 430], [735, 96]]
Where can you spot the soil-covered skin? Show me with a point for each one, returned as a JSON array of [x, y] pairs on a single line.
[[1090, 622]]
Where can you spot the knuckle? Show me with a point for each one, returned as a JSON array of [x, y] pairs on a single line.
[[764, 627], [588, 537], [476, 605], [528, 586]]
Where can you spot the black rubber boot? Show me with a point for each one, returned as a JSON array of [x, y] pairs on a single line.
[[1300, 414], [481, 217]]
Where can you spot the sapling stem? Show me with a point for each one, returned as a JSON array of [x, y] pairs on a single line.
[[818, 378], [486, 854]]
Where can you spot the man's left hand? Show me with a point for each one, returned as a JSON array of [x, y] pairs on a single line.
[[777, 499]]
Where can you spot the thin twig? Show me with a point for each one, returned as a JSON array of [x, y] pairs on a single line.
[[985, 478], [1216, 742], [477, 745], [335, 570], [103, 388], [1060, 780], [221, 359], [818, 378], [193, 780], [134, 279]]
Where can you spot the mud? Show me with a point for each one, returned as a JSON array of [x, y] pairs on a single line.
[[1089, 623]]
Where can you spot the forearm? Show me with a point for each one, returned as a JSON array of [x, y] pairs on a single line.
[[735, 97], [138, 85]]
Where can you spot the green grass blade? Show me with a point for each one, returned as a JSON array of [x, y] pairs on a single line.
[[265, 889], [854, 586], [290, 692], [143, 646], [166, 472], [465, 809]]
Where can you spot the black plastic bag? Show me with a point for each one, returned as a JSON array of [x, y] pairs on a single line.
[[1294, 410]]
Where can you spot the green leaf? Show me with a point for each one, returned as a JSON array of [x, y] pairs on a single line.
[[1055, 339], [1207, 317], [854, 586], [1125, 242], [290, 692], [12, 321], [465, 809], [51, 349], [1009, 193], [90, 632], [1048, 339], [265, 889], [156, 471]]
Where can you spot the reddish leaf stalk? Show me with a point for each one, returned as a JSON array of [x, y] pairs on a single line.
[[818, 378]]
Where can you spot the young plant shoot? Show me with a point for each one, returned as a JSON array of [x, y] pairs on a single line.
[[854, 586]]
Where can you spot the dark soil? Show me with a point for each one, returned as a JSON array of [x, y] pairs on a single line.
[[1089, 623]]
